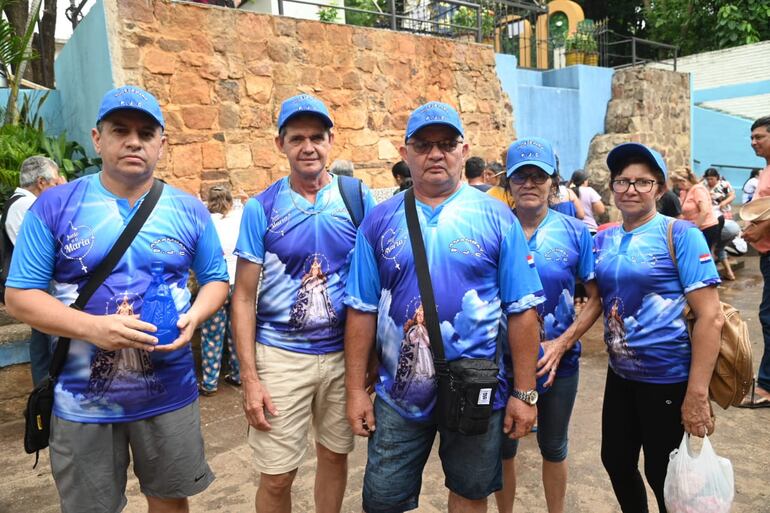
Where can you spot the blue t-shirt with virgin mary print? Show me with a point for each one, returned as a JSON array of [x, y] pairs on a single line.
[[563, 251], [479, 265], [643, 296], [304, 250], [66, 234]]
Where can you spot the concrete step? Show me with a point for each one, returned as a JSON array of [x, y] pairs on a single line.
[[5, 317], [14, 344]]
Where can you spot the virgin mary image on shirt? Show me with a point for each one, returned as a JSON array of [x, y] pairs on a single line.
[[313, 307], [414, 375]]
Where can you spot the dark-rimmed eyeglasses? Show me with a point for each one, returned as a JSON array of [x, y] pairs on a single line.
[[538, 178], [622, 185], [422, 147]]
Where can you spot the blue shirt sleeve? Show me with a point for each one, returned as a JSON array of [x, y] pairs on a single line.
[[694, 262], [369, 202], [520, 287], [363, 288], [33, 257], [251, 238], [586, 262], [209, 262]]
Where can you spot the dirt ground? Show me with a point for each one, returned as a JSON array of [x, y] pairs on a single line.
[[743, 436]]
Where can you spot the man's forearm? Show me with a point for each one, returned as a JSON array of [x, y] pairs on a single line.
[[244, 325], [360, 330], [524, 340], [47, 314], [211, 297]]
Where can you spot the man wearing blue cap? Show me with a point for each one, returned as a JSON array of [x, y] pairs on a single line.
[[119, 390], [297, 235], [479, 266]]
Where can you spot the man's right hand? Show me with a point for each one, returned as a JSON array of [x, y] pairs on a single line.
[[755, 232], [112, 332], [360, 413], [257, 400]]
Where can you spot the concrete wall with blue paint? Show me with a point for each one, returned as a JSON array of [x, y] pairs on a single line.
[[49, 110], [566, 106], [83, 75], [723, 141]]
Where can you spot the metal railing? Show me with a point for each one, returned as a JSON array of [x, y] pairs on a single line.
[[436, 17], [620, 51]]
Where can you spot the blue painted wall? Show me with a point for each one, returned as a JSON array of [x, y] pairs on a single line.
[[566, 106], [50, 111], [83, 75], [723, 141]]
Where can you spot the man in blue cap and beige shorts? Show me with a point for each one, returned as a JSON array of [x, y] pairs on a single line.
[[297, 235]]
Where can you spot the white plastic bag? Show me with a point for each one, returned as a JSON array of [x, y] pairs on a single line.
[[698, 484]]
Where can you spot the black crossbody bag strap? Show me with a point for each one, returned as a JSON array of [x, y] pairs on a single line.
[[105, 268], [424, 282]]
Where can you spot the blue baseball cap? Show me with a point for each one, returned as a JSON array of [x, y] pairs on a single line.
[[303, 104], [531, 151], [433, 113], [620, 153], [130, 98]]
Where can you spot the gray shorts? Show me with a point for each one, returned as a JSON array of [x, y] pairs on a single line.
[[90, 461]]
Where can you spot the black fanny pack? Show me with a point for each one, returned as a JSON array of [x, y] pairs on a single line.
[[37, 417], [466, 393]]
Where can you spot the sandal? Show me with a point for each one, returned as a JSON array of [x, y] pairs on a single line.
[[754, 401], [232, 381], [205, 391]]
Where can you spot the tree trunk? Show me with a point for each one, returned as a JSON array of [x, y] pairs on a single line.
[[12, 111], [45, 43]]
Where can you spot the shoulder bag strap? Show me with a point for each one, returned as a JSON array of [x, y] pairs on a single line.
[[351, 190], [670, 242], [424, 281], [105, 268]]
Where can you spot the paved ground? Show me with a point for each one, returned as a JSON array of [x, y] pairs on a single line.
[[742, 436]]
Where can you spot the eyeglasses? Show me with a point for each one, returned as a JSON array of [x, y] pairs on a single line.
[[422, 147], [639, 185], [538, 178]]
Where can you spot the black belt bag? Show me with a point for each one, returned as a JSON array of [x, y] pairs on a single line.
[[466, 393], [466, 387]]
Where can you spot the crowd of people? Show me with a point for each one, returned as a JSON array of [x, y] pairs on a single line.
[[321, 297]]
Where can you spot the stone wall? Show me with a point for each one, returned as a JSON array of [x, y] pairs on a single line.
[[650, 106], [221, 74]]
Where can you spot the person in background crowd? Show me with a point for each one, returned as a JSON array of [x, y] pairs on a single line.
[[669, 204], [499, 189], [564, 200], [341, 168], [758, 235], [696, 205], [550, 233], [402, 176], [121, 398], [291, 346], [589, 198], [493, 173], [474, 173], [750, 186], [722, 194], [468, 240], [37, 174], [216, 331], [658, 375]]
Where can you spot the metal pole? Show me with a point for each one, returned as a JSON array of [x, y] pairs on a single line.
[[633, 50], [280, 7], [393, 15], [676, 51], [478, 24]]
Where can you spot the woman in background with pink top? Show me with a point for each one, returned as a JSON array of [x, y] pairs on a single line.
[[696, 204], [592, 202]]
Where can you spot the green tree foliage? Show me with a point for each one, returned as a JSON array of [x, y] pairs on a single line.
[[693, 25]]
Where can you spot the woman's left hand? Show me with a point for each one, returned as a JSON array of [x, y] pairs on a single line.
[[553, 350], [697, 415]]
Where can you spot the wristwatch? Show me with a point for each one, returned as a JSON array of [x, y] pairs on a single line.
[[529, 397]]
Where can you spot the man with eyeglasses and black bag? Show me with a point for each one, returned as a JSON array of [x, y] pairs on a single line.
[[432, 269]]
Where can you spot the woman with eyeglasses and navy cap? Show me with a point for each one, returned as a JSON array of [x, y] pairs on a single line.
[[563, 252], [658, 376]]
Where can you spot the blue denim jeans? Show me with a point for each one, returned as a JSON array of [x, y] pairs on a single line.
[[399, 448], [764, 318], [39, 355], [554, 410]]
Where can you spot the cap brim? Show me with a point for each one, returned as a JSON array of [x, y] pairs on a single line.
[[757, 210], [549, 170], [436, 123], [128, 107], [620, 153], [326, 119]]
